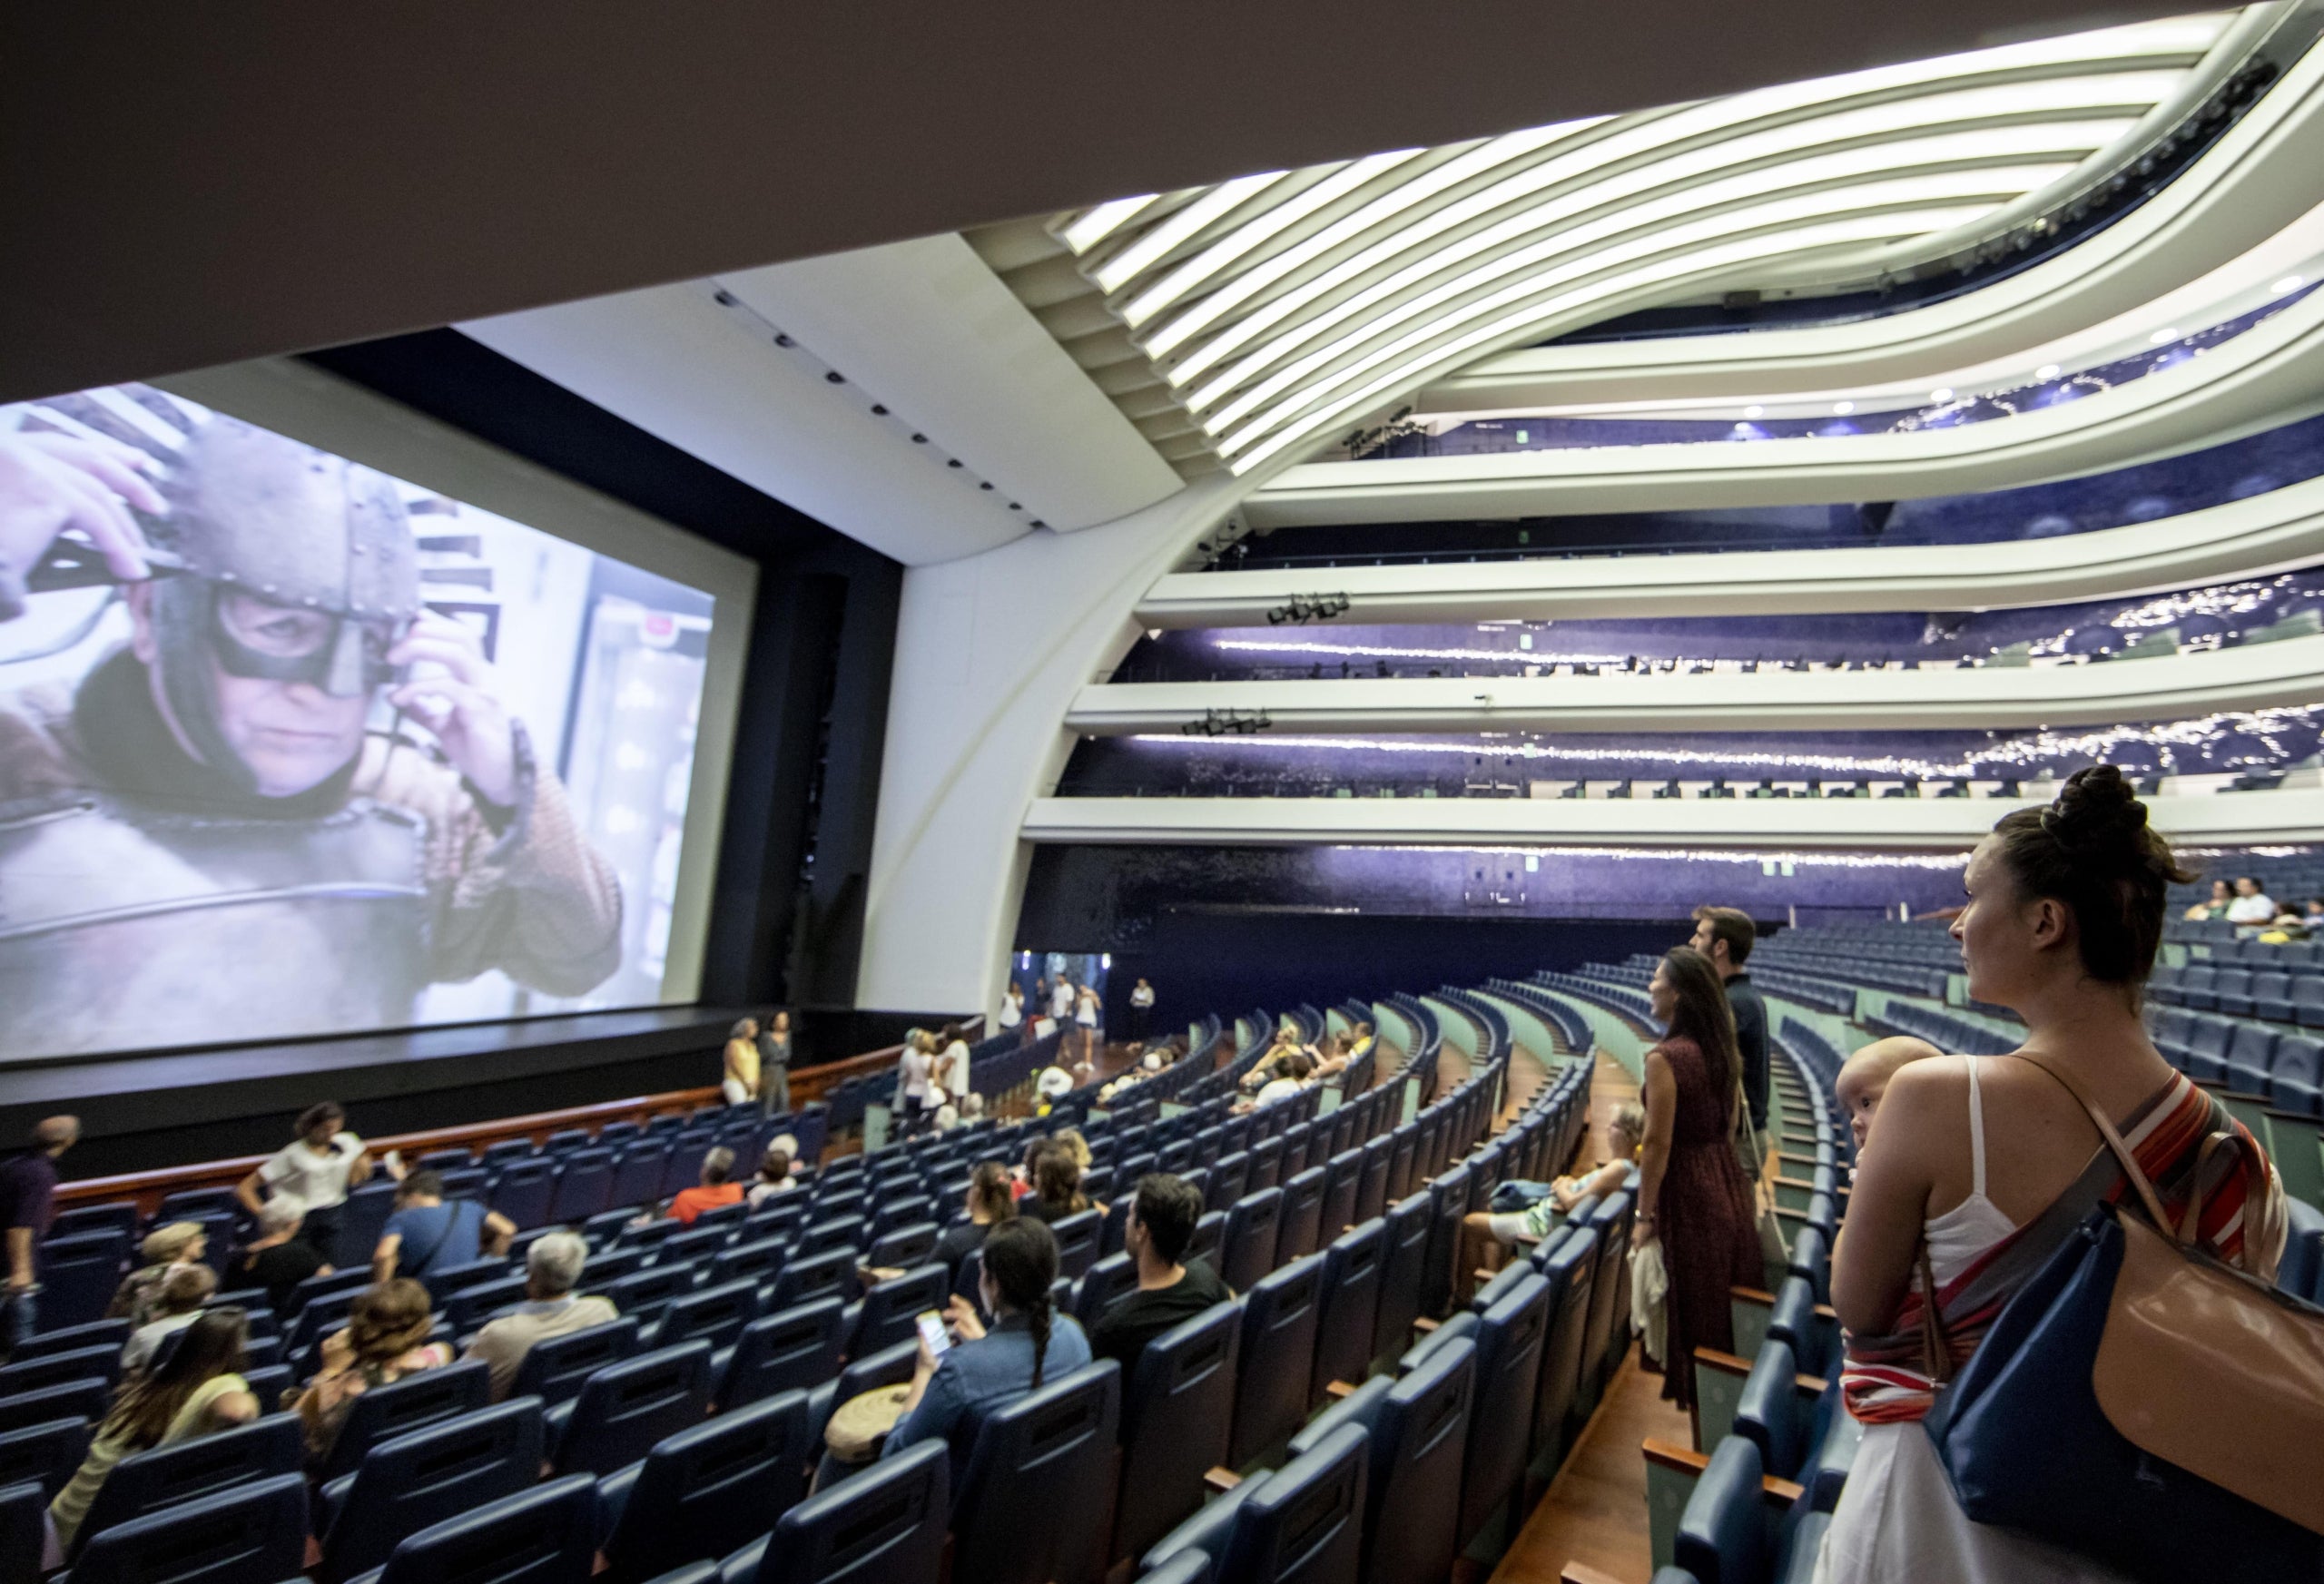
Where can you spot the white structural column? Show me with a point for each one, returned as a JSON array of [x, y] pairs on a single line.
[[990, 650], [2256, 676]]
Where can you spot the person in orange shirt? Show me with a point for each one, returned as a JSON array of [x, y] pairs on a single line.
[[717, 1168]]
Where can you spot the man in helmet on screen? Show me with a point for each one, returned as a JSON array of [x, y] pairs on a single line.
[[204, 831]]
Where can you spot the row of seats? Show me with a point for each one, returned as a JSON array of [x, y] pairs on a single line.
[[2275, 995]]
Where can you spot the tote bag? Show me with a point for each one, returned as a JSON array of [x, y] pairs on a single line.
[[2145, 1404]]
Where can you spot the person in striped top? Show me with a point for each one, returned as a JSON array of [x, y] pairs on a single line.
[[1991, 1163]]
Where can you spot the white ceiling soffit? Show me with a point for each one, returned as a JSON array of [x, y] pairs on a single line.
[[2260, 177], [2254, 676], [932, 330], [1819, 824], [2276, 531], [1282, 305], [702, 375], [2272, 374]]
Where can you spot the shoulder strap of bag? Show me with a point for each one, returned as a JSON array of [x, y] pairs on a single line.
[[1937, 1353]]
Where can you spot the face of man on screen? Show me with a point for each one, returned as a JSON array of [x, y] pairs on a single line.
[[290, 734]]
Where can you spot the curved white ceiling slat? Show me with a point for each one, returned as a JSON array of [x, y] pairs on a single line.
[[2263, 534], [1282, 305], [2251, 817], [2255, 676], [2270, 375]]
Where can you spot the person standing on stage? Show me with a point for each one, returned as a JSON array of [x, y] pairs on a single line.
[[774, 1064], [1141, 1010]]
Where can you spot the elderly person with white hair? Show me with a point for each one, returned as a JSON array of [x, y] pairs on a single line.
[[181, 1243], [281, 1257], [551, 1308]]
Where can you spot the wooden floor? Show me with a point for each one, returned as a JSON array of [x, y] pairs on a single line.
[[1594, 1512]]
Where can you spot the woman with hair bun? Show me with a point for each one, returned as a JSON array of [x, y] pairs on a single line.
[[1992, 1163], [1029, 1342]]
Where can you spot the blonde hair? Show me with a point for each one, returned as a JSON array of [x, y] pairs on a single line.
[[1629, 1122], [164, 1243]]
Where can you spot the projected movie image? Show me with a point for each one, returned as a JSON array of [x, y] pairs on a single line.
[[290, 747]]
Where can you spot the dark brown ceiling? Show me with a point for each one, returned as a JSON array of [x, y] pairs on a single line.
[[183, 185]]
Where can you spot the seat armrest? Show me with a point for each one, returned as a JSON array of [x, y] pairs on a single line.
[[1764, 1299], [612, 1498], [1221, 1479], [332, 1493]]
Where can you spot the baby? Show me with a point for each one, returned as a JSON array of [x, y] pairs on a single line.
[[1864, 1078]]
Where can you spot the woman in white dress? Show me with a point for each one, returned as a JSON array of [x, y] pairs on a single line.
[[952, 1063], [1084, 1023], [915, 1079]]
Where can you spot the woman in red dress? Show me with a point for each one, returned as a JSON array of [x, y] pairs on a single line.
[[1692, 1192]]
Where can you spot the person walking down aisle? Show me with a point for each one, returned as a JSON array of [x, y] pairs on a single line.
[[1991, 1165], [320, 1166], [1692, 1194], [27, 1207]]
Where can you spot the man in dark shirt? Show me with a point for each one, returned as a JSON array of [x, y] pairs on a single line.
[[28, 1206], [1161, 1224], [1725, 936]]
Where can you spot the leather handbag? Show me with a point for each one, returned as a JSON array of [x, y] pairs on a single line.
[[2144, 1403]]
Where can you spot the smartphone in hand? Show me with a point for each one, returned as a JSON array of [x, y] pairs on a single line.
[[933, 1332]]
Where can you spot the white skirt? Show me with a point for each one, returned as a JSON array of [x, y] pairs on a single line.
[[1898, 1522]]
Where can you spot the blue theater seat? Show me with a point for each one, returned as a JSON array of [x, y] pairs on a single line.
[[1722, 1533], [101, 1361], [384, 1412], [706, 1492], [1032, 1504], [828, 1274], [905, 1246], [465, 1311], [1567, 1261], [1344, 1176], [1210, 1233], [1403, 1265], [1299, 1229], [1277, 1352], [2198, 986], [1371, 1183], [2231, 991], [45, 1453], [757, 1258], [78, 1274], [1176, 1419], [256, 1531], [423, 1478], [2271, 995], [110, 1333], [1417, 1431], [1228, 1175], [1768, 1412], [643, 1295], [523, 1191], [1247, 1244], [1448, 1199], [1349, 1306], [192, 1471], [2307, 1000], [1509, 1338], [625, 1408], [2251, 1052], [797, 1348], [23, 1513], [555, 1369], [1076, 1242], [885, 1525], [547, 1535], [1109, 1281], [712, 1314], [886, 1313], [2296, 1083], [1302, 1524]]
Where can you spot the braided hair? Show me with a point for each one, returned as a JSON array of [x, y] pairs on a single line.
[[1020, 1256], [2093, 850]]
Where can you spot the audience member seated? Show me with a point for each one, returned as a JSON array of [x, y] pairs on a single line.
[[199, 1391], [991, 1201], [281, 1257], [320, 1166], [184, 1291], [1159, 1227], [983, 1371], [2251, 905], [181, 1243], [1053, 1085], [551, 1308], [1056, 1185], [1148, 1065], [385, 1339], [2214, 907], [1487, 1234], [1864, 1078], [1295, 1071], [947, 1117], [713, 1192], [774, 1170], [425, 1233]]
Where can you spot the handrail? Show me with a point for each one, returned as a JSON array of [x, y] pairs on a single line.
[[148, 1188]]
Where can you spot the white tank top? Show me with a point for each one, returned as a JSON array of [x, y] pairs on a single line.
[[1958, 1237]]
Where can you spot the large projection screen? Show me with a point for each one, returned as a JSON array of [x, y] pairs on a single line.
[[321, 717]]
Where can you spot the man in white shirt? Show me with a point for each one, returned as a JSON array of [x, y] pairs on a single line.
[[552, 1266], [2251, 905], [1061, 998]]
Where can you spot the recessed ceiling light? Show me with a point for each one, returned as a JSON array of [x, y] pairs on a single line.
[[2288, 283], [2047, 371], [1942, 393], [1754, 410], [1844, 406], [2161, 336]]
